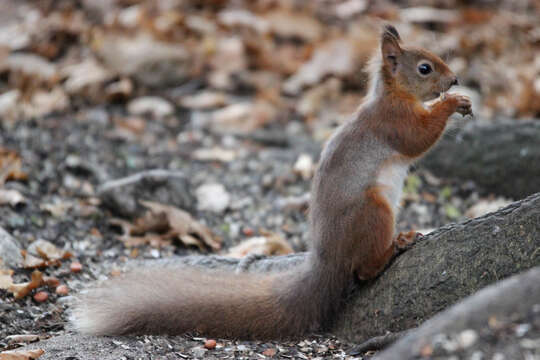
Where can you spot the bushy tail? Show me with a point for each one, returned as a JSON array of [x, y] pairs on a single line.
[[175, 301]]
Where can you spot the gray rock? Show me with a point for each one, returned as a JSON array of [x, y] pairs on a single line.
[[10, 252], [122, 196]]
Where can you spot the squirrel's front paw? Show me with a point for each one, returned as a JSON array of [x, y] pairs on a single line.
[[464, 105]]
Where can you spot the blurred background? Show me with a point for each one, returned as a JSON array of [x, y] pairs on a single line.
[[242, 95], [232, 100], [274, 60]]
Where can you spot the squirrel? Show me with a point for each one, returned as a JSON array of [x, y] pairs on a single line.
[[355, 194]]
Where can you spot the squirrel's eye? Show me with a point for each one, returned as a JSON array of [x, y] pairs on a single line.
[[424, 69]]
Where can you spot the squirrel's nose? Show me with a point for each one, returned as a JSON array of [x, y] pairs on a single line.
[[455, 82]]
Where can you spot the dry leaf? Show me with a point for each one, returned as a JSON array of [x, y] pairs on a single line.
[[21, 290], [299, 25], [243, 18], [324, 62], [154, 105], [271, 244], [48, 250], [5, 279], [31, 66], [32, 262], [242, 118], [214, 154], [120, 89], [204, 100], [84, 75], [21, 354], [22, 338], [10, 166], [182, 225], [11, 197], [164, 223], [8, 104], [128, 128], [350, 8], [44, 102], [424, 14], [319, 98], [150, 61]]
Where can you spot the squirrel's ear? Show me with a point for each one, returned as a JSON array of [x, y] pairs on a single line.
[[390, 47], [392, 30]]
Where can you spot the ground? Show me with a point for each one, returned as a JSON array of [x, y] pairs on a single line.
[[68, 156]]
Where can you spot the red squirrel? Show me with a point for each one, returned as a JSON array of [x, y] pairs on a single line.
[[355, 196]]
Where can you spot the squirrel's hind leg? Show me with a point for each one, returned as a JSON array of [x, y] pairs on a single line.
[[404, 240], [374, 235]]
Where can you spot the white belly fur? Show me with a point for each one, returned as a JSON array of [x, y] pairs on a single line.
[[390, 179]]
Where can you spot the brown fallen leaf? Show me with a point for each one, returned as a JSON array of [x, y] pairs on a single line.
[[243, 117], [324, 63], [10, 166], [204, 100], [48, 250], [161, 225], [84, 75], [270, 244], [21, 290], [288, 24], [43, 102], [183, 226], [32, 262], [21, 354], [138, 55], [243, 18], [5, 278]]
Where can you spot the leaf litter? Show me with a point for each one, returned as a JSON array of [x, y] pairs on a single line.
[[162, 224]]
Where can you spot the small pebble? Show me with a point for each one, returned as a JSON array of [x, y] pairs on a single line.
[[269, 352], [75, 267], [248, 231], [467, 338], [41, 296], [62, 290], [210, 344], [51, 281], [522, 329]]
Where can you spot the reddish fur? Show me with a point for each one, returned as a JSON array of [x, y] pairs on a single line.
[[404, 239], [373, 233], [408, 127]]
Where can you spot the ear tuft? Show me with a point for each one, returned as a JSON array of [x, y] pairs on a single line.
[[390, 29], [390, 48]]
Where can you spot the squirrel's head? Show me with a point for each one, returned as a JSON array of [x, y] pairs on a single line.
[[414, 70]]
